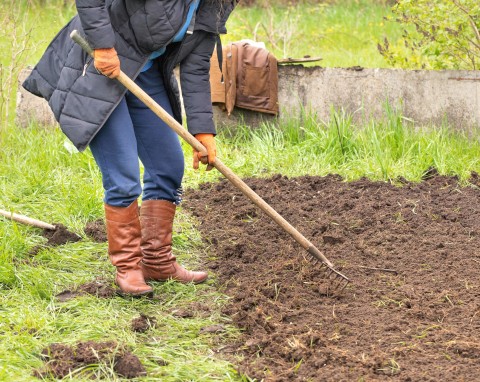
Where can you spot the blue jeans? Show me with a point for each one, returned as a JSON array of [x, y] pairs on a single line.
[[131, 132]]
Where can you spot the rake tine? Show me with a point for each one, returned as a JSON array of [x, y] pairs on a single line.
[[323, 269], [346, 283], [335, 284], [338, 283], [326, 270], [338, 279], [341, 276]]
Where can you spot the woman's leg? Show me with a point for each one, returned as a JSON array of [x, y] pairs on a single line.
[[115, 152], [159, 147]]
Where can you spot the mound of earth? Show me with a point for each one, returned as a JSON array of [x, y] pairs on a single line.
[[143, 323], [412, 310], [58, 236], [61, 360], [99, 288], [96, 231]]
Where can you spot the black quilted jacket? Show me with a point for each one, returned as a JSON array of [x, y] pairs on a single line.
[[82, 99]]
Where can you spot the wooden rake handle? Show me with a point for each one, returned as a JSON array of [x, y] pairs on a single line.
[[229, 174], [26, 220]]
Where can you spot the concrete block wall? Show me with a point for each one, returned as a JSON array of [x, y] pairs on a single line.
[[426, 97], [31, 108]]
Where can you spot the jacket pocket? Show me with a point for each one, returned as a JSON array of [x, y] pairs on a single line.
[[256, 81]]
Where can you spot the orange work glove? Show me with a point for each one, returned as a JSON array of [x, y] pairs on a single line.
[[107, 62], [208, 158]]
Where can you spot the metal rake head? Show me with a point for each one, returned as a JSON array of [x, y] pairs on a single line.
[[336, 279]]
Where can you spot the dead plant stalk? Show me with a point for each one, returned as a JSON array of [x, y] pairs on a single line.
[[19, 46]]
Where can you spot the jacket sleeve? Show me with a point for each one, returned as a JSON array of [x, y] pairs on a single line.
[[195, 83], [95, 21]]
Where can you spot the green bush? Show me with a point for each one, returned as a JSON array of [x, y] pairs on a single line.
[[438, 34]]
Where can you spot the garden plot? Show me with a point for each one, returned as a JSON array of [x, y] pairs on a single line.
[[412, 311]]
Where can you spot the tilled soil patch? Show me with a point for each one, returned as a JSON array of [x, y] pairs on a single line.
[[412, 311], [96, 231]]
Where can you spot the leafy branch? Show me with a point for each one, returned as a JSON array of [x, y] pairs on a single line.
[[437, 34]]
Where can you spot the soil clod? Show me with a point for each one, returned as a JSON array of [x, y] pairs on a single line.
[[61, 360], [212, 329], [58, 236], [96, 231], [143, 323], [99, 288], [129, 366], [182, 313]]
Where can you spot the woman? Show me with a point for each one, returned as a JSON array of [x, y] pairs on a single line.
[[146, 39]]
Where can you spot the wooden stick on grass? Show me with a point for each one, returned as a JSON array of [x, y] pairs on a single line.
[[26, 220]]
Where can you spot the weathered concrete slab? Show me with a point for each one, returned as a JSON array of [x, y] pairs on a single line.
[[424, 96], [31, 108]]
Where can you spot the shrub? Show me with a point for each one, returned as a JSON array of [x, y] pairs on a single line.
[[439, 34]]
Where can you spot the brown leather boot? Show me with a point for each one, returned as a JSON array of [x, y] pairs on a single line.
[[123, 234], [159, 264]]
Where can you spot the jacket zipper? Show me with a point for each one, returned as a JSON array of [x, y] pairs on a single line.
[[85, 67]]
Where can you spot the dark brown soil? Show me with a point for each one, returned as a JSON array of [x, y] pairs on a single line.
[[62, 359], [412, 311], [58, 236], [99, 288], [96, 231], [129, 366], [143, 323]]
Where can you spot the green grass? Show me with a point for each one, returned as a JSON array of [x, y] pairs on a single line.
[[32, 23], [27, 31], [384, 149], [343, 33]]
